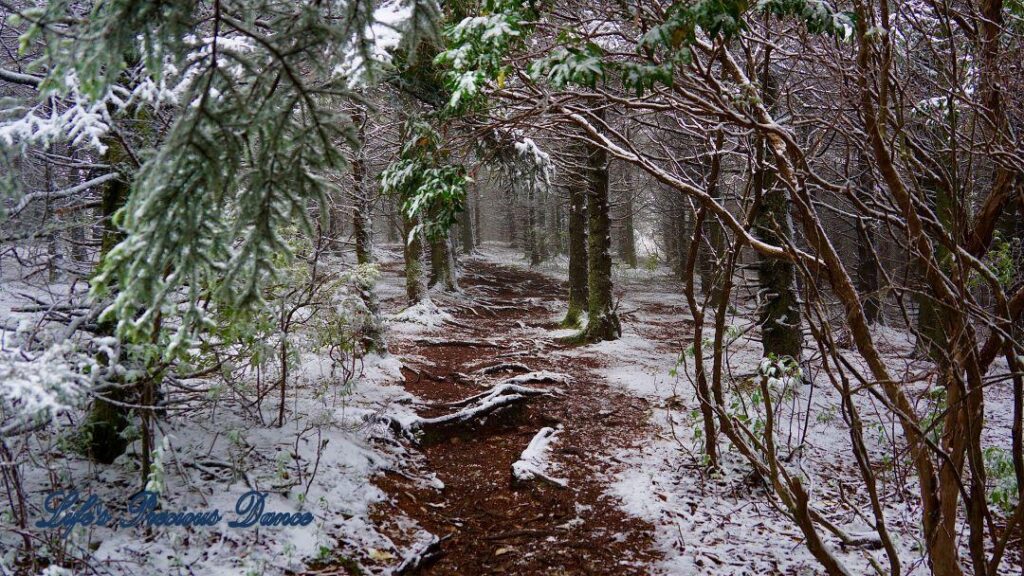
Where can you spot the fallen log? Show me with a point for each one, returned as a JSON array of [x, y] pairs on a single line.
[[484, 403]]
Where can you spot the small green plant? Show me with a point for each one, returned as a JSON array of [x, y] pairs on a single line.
[[999, 468], [934, 422], [650, 262]]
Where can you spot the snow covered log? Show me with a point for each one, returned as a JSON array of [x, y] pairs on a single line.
[[533, 463]]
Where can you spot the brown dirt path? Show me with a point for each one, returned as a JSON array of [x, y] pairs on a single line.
[[488, 524]]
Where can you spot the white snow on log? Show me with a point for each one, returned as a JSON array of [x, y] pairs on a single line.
[[533, 463], [506, 387]]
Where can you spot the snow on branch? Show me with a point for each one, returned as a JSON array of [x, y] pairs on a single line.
[[19, 78], [56, 194], [539, 376]]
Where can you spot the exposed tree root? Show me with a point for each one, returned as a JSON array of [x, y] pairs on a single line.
[[475, 407], [503, 367], [464, 343], [421, 556], [532, 464]]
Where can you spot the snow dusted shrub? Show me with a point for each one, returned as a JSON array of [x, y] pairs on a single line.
[[40, 385], [349, 328], [310, 309]]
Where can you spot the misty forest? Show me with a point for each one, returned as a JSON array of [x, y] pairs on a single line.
[[553, 287]]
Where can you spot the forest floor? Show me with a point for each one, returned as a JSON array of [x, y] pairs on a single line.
[[488, 522], [639, 497]]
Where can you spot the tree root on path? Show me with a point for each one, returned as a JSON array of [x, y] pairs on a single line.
[[421, 556], [459, 343], [533, 463], [502, 367], [475, 407]]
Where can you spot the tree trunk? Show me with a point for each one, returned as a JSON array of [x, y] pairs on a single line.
[[931, 334], [628, 249], [602, 321], [476, 217], [466, 227], [867, 271], [684, 232], [530, 236], [442, 264], [540, 240], [362, 227], [578, 292], [412, 243], [107, 420], [394, 222], [780, 310], [714, 249], [555, 226], [867, 264]]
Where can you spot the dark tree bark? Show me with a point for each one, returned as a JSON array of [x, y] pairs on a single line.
[[394, 222], [780, 311], [442, 264], [362, 227], [931, 333], [602, 322], [412, 244], [683, 233], [867, 262], [107, 419], [628, 247], [578, 292], [540, 239], [478, 240], [713, 247], [558, 238], [867, 271], [530, 236], [466, 228]]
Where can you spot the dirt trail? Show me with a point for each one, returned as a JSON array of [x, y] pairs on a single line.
[[488, 524]]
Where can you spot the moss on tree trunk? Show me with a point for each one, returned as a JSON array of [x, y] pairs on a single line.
[[107, 420], [602, 321], [781, 333]]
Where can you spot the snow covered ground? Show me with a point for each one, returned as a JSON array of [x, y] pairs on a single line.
[[724, 523], [221, 446], [214, 448]]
